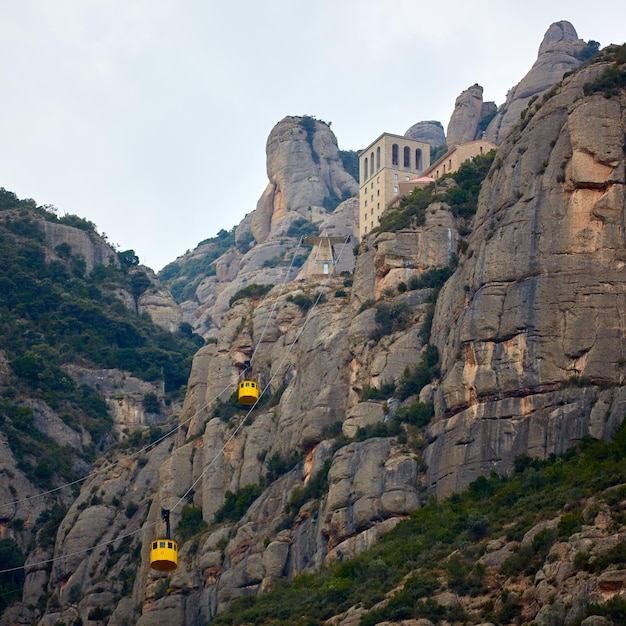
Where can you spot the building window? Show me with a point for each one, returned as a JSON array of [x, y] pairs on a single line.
[[378, 158], [378, 206], [395, 177], [395, 155], [418, 160], [450, 164], [365, 168], [366, 203], [407, 178], [378, 192], [372, 212], [372, 197], [407, 156], [372, 162], [372, 224], [378, 180], [372, 185], [395, 190]]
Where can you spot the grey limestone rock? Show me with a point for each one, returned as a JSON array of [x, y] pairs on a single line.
[[429, 131], [465, 119], [533, 306], [559, 53]]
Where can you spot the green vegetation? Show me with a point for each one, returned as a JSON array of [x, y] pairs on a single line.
[[302, 228], [415, 379], [191, 523], [390, 318], [350, 161], [48, 524], [251, 291], [304, 301], [436, 152], [11, 583], [434, 278], [462, 198], [613, 79], [53, 314], [151, 403], [183, 277], [437, 548], [277, 465], [38, 456], [236, 504], [591, 49]]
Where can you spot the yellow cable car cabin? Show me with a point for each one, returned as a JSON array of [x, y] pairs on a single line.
[[164, 555], [248, 392], [164, 552]]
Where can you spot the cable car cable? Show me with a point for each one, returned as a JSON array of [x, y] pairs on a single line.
[[146, 526]]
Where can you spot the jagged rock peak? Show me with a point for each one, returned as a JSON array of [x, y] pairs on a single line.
[[559, 52], [430, 131], [558, 32], [305, 172], [531, 309], [469, 112]]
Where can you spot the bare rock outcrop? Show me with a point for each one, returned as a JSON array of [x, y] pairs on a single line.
[[529, 327], [304, 171], [466, 117], [429, 131], [157, 302], [559, 52], [84, 244], [309, 192]]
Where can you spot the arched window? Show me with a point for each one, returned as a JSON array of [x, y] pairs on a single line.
[[365, 176], [418, 160], [407, 156], [378, 158], [395, 155], [372, 164]]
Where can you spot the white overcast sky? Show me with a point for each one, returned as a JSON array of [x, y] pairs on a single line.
[[150, 117]]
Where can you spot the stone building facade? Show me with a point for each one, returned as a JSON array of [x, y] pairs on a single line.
[[452, 159], [382, 165]]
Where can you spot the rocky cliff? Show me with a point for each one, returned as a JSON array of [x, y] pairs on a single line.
[[529, 327], [429, 131], [525, 355], [308, 192], [560, 51], [470, 117]]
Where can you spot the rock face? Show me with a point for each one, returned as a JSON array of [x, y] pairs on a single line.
[[469, 110], [83, 244], [304, 171], [529, 331], [308, 189], [559, 52], [431, 132], [529, 327]]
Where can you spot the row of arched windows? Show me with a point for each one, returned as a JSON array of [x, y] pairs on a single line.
[[406, 157], [370, 162], [370, 165]]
